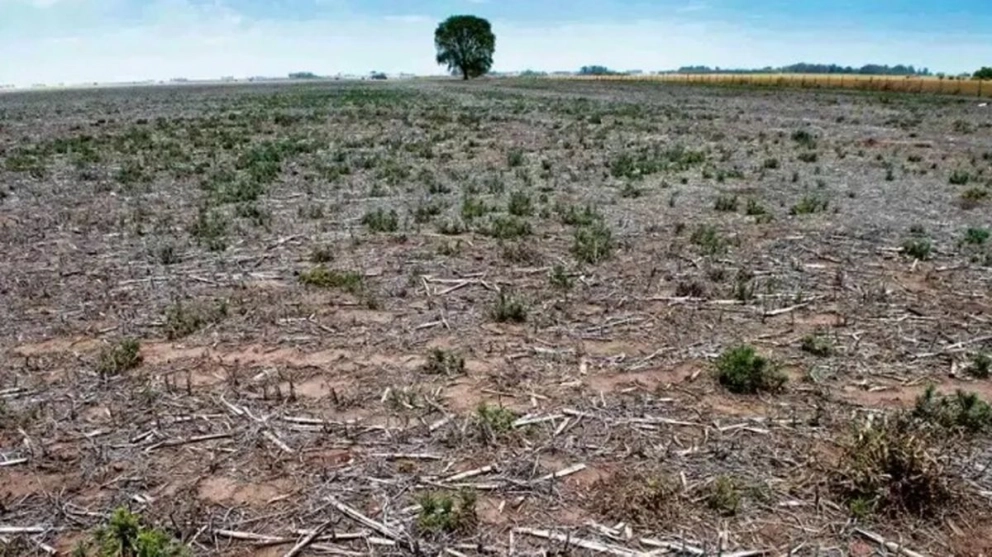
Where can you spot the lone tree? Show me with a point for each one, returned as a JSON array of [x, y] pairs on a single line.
[[984, 73], [465, 43]]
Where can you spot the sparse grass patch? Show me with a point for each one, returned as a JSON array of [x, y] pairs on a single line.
[[891, 468], [515, 158], [726, 203], [804, 138], [981, 366], [644, 499], [507, 227], [575, 216], [742, 371], [560, 279], [124, 535], [959, 178], [320, 276], [709, 239], [770, 164], [508, 309], [917, 248], [964, 412], [381, 220], [809, 205], [520, 204], [493, 421], [444, 362], [473, 208], [441, 513], [816, 345], [593, 244], [521, 253], [724, 496], [976, 236], [118, 358], [210, 229], [321, 254], [182, 320], [974, 196]]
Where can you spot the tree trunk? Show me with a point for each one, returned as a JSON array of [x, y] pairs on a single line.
[[464, 74]]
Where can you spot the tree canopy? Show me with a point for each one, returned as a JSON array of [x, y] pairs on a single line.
[[984, 73], [465, 44]]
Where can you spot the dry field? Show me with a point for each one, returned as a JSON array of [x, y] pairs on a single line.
[[884, 83], [504, 317]]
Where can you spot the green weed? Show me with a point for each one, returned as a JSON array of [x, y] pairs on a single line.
[[742, 371]]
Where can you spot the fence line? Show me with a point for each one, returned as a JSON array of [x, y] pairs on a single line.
[[964, 87]]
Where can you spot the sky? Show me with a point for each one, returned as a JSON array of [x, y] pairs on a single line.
[[81, 41]]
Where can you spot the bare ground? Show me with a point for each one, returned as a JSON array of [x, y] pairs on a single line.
[[265, 406]]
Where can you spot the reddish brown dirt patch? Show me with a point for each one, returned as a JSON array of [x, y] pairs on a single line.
[[648, 380], [57, 346], [225, 490]]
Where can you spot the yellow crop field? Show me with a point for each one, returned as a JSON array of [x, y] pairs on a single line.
[[912, 84]]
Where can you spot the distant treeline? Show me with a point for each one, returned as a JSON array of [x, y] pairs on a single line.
[[867, 69]]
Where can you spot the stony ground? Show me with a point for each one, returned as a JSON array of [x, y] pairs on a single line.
[[493, 318]]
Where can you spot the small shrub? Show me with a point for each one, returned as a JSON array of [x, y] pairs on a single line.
[[507, 228], [816, 345], [451, 227], [754, 208], [560, 279], [494, 420], [742, 371], [321, 277], [520, 204], [182, 320], [804, 139], [644, 499], [959, 178], [119, 358], [726, 203], [381, 221], [809, 157], [210, 229], [444, 362], [442, 513], [515, 158], [521, 253], [981, 366], [965, 412], [974, 196], [917, 248], [724, 496], [125, 536], [630, 191], [321, 254], [574, 216], [508, 309], [708, 238], [808, 205], [426, 211], [593, 244], [770, 164], [473, 208], [891, 468], [976, 236]]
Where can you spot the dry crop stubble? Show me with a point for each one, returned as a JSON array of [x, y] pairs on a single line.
[[410, 317]]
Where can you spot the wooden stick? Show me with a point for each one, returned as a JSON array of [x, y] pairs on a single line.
[[299, 547], [470, 473], [579, 542], [13, 462], [364, 520], [562, 473], [891, 546], [22, 530]]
